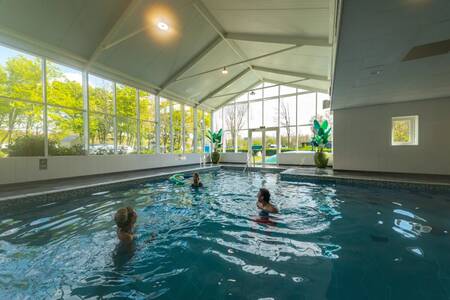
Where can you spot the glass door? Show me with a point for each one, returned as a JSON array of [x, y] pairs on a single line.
[[270, 148], [263, 145]]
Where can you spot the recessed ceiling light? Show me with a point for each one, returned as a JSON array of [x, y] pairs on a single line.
[[163, 26], [224, 71]]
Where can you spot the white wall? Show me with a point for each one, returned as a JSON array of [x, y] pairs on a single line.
[[23, 169], [362, 138], [302, 158]]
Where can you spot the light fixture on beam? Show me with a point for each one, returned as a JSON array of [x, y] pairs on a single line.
[[252, 93], [224, 71]]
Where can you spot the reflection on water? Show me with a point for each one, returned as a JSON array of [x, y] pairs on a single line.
[[210, 244]]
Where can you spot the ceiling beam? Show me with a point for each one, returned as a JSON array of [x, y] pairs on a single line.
[[238, 63], [186, 67], [300, 86], [233, 97], [212, 21], [257, 89], [278, 39], [291, 73], [127, 13], [226, 84]]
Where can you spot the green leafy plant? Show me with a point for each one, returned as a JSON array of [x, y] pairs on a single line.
[[321, 135], [33, 145], [215, 138]]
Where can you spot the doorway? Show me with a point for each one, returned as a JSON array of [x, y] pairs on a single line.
[[263, 145]]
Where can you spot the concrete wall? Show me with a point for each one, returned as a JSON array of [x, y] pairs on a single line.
[[23, 169], [362, 138]]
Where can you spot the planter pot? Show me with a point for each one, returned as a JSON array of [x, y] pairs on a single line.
[[215, 157], [321, 159]]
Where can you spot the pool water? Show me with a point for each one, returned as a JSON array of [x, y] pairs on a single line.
[[329, 242]]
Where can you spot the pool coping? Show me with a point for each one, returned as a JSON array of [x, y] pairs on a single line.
[[84, 189], [288, 175]]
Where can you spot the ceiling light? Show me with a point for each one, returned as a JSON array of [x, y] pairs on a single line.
[[252, 93], [163, 26], [224, 71]]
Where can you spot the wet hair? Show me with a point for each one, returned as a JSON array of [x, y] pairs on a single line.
[[265, 194], [196, 175], [124, 217]]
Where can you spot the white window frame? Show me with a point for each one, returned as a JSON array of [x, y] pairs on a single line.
[[413, 130]]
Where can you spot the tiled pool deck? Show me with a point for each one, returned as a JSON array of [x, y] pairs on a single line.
[[55, 189]]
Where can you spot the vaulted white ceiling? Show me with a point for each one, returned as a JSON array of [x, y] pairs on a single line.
[[375, 37], [281, 41]]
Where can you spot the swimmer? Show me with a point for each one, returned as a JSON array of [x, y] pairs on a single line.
[[196, 181], [125, 218], [264, 204]]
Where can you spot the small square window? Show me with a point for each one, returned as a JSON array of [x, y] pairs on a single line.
[[405, 131]]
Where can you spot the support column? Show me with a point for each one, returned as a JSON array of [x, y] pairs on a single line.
[[44, 100], [85, 85], [115, 117], [157, 126], [138, 118]]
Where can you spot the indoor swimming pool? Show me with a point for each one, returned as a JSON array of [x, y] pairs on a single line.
[[329, 241]]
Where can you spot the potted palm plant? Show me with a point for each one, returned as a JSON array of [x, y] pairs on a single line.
[[319, 141], [215, 139]]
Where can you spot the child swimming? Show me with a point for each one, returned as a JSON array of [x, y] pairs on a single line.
[[263, 203], [125, 219], [196, 181]]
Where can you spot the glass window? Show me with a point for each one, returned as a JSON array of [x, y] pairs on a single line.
[[229, 142], [405, 131], [255, 119], [242, 98], [270, 90], [207, 126], [271, 113], [126, 119], [200, 131], [256, 94], [304, 135], [146, 106], [288, 111], [188, 129], [242, 140], [306, 109], [147, 127], [147, 135], [229, 117], [217, 116], [287, 90], [241, 116], [288, 139], [101, 95], [65, 131], [177, 128], [64, 86], [101, 134], [164, 139], [21, 128], [20, 75]]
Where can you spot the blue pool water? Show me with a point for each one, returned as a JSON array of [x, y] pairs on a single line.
[[329, 242]]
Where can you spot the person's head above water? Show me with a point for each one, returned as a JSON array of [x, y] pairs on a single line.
[[263, 195], [196, 180], [196, 177], [125, 218]]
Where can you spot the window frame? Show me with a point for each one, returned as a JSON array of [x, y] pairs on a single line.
[[413, 130]]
